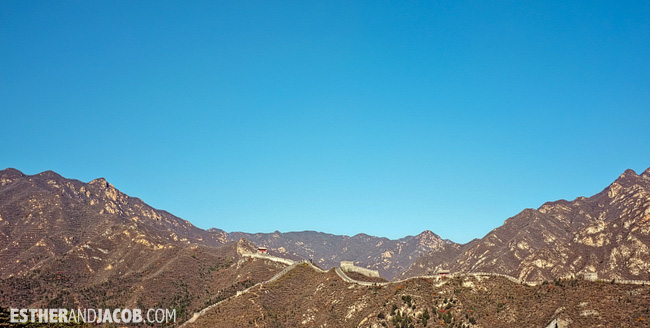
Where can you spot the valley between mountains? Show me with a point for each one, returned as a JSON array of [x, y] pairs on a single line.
[[68, 244]]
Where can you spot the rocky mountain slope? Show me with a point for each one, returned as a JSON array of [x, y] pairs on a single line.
[[56, 213], [306, 298], [608, 233], [389, 257], [65, 243], [45, 214]]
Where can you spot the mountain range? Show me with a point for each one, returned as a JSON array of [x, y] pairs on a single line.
[[607, 234], [64, 243], [67, 243], [389, 257]]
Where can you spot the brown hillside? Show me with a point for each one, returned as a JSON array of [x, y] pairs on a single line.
[[305, 298], [608, 233], [64, 243]]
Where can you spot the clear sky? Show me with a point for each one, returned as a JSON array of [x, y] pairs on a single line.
[[380, 117]]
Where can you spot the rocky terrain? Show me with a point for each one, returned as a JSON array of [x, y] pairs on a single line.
[[608, 233], [64, 243], [47, 215], [307, 298], [389, 257]]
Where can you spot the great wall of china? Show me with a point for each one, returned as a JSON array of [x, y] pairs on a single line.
[[292, 264]]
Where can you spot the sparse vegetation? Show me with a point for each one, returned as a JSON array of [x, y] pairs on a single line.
[[496, 302], [154, 271], [424, 317]]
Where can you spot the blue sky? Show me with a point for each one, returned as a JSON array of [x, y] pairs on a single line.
[[380, 117]]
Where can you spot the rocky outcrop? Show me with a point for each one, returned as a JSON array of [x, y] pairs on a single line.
[[608, 233], [65, 243]]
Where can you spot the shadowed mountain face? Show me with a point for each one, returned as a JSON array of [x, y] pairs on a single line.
[[608, 233], [389, 257], [64, 243]]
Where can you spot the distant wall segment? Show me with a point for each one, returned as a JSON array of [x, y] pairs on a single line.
[[349, 266], [269, 257]]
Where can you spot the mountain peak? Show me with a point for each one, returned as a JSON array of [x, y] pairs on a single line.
[[10, 172], [646, 173], [49, 174], [628, 172], [101, 182], [427, 234], [429, 239], [245, 247], [627, 179]]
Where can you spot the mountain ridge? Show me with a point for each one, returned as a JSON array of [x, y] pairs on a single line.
[[607, 233], [65, 243], [389, 256], [555, 228]]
